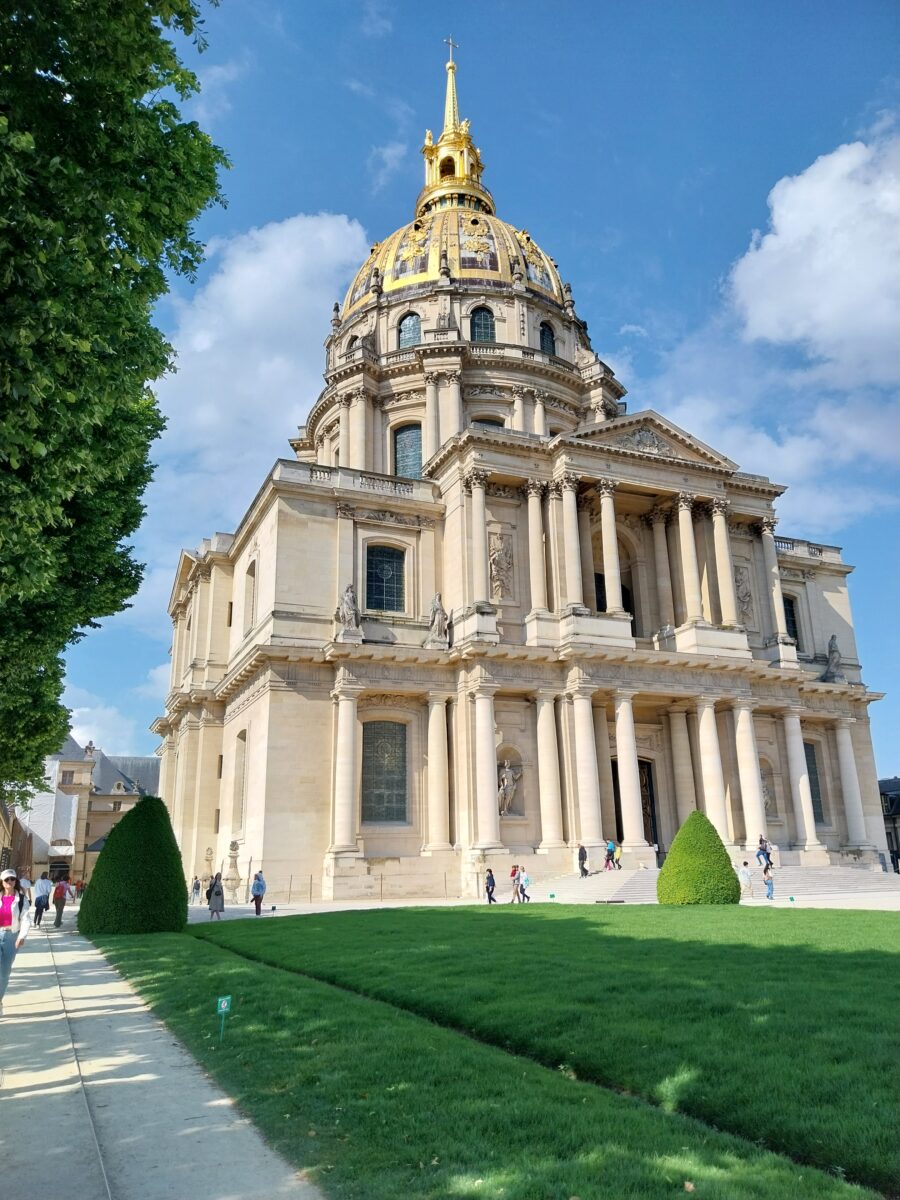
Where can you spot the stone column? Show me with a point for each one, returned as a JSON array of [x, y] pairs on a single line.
[[612, 574], [629, 772], [548, 769], [682, 767], [320, 450], [752, 800], [853, 808], [801, 793], [346, 770], [431, 440], [693, 602], [586, 767], [540, 413], [477, 481], [770, 558], [711, 765], [604, 767], [588, 585], [377, 436], [359, 420], [658, 518], [518, 413], [344, 432], [570, 540], [724, 566], [455, 405], [537, 571], [488, 810], [438, 775]]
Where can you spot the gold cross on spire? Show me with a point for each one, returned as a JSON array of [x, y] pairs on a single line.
[[453, 45]]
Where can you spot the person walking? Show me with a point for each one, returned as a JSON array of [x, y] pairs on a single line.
[[746, 879], [257, 891], [15, 922], [515, 898], [524, 885], [195, 891], [617, 856], [26, 885], [763, 852], [215, 894], [769, 881], [490, 884], [610, 861], [42, 891], [582, 862], [61, 893]]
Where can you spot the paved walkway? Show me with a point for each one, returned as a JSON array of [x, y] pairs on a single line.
[[108, 1106]]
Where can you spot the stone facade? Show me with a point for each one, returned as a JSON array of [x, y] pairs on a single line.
[[625, 627]]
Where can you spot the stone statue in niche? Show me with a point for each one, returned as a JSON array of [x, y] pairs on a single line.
[[438, 626], [348, 618], [768, 798], [744, 595], [833, 672], [507, 782], [500, 559]]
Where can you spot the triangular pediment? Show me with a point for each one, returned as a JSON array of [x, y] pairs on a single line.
[[651, 436]]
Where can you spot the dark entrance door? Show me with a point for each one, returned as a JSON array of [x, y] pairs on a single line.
[[648, 800]]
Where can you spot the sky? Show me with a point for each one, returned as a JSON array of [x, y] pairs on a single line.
[[719, 181]]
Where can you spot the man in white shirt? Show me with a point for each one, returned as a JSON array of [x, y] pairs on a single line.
[[746, 880], [42, 890]]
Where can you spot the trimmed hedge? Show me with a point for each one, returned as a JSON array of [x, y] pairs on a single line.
[[697, 869], [138, 883]]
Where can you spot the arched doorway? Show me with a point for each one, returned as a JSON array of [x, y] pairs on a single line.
[[648, 802]]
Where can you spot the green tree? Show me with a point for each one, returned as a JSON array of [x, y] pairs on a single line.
[[697, 869], [101, 183], [138, 883]]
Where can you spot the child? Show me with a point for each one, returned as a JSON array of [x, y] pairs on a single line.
[[524, 883], [769, 881]]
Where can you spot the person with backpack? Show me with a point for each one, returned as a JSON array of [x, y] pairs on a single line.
[[215, 894], [61, 893], [195, 891], [42, 891], [582, 862], [15, 922]]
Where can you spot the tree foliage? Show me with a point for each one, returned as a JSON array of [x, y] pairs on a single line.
[[101, 182], [138, 883], [697, 869]]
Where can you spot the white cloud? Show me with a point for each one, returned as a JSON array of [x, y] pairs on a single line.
[[250, 357], [377, 18], [103, 724], [384, 162], [633, 331], [156, 684], [826, 276], [214, 99]]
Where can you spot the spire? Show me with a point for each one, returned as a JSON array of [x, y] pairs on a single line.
[[451, 105]]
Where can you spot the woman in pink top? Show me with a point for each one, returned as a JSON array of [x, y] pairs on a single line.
[[15, 921]]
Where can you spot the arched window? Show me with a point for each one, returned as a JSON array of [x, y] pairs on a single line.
[[250, 598], [483, 325], [385, 589], [548, 339], [384, 781], [352, 343], [489, 423], [448, 167], [409, 331], [408, 451], [790, 618]]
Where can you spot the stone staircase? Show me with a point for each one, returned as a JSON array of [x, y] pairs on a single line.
[[639, 886]]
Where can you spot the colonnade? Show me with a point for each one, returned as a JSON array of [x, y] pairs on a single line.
[[592, 769]]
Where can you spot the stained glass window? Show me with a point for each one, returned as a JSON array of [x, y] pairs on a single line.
[[384, 771], [812, 769], [483, 325], [548, 341], [409, 331], [384, 579], [408, 451]]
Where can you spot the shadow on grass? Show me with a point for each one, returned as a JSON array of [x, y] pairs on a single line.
[[380, 1104], [778, 1026]]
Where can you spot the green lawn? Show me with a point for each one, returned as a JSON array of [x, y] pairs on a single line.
[[380, 1104], [777, 1025]]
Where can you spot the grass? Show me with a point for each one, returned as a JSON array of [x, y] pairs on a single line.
[[778, 1026], [379, 1104]]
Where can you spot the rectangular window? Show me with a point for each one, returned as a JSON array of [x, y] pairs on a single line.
[[790, 618], [384, 788], [385, 591], [230, 611], [812, 767], [117, 805], [68, 776], [219, 767], [408, 452], [216, 821], [87, 828]]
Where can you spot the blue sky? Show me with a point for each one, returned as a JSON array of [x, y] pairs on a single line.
[[719, 181]]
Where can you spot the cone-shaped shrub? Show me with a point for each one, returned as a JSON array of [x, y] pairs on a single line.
[[697, 869], [138, 883]]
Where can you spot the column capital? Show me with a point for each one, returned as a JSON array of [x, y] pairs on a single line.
[[706, 702], [432, 377], [535, 487], [685, 500], [583, 690], [658, 515], [606, 487], [554, 488], [744, 702], [585, 502], [793, 710], [518, 391], [482, 689], [347, 691], [546, 693], [844, 722], [720, 506], [453, 376], [767, 525], [435, 698], [680, 706], [569, 481], [345, 511], [475, 478], [540, 395], [346, 400], [628, 694]]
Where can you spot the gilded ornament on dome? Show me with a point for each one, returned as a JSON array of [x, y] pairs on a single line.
[[478, 250], [535, 266], [412, 254]]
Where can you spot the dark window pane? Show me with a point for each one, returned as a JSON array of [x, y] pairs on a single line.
[[384, 579], [812, 768], [790, 618], [408, 452], [483, 325], [548, 341], [600, 590], [410, 331], [384, 771]]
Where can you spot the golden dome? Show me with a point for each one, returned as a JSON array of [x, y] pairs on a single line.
[[455, 232]]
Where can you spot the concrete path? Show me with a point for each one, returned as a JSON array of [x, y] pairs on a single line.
[[100, 1101]]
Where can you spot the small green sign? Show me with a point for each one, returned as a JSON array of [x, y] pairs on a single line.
[[223, 1004]]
